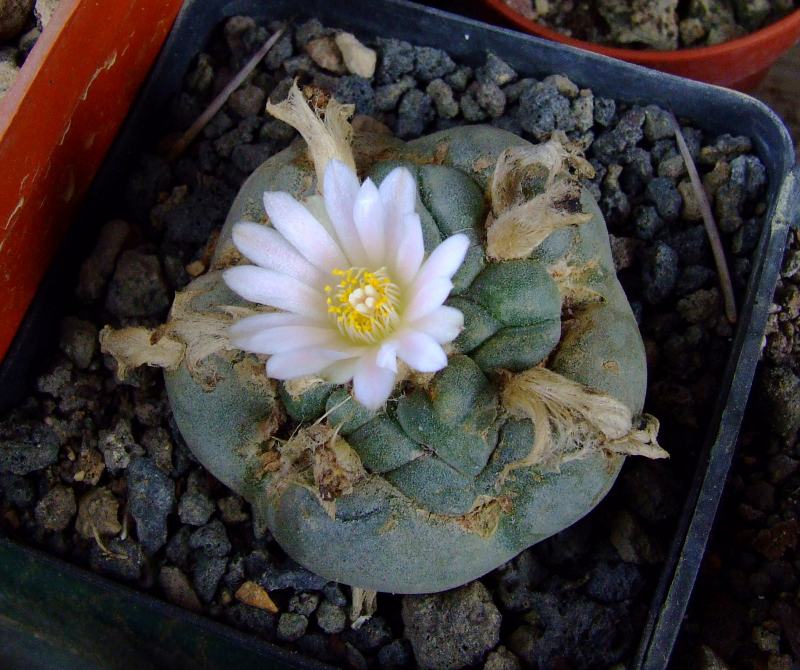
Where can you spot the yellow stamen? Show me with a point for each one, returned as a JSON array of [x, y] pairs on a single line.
[[363, 303]]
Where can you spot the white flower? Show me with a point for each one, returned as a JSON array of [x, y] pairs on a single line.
[[351, 284]]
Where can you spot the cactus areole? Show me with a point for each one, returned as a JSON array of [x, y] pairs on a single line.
[[415, 359]]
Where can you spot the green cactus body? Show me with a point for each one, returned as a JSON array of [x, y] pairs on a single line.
[[426, 505]]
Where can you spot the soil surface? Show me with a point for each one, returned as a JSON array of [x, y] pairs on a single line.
[[95, 471]]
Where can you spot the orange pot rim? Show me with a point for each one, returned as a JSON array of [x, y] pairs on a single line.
[[652, 57]]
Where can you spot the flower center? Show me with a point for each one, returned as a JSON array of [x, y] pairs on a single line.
[[363, 303]]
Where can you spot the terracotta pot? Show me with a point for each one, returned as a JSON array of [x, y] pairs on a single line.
[[740, 63], [57, 122]]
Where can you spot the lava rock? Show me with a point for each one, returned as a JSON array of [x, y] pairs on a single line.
[[330, 618], [662, 192], [151, 496], [55, 510], [647, 223], [414, 114], [247, 101], [333, 594], [571, 631], [253, 619], [357, 91], [605, 111], [470, 108], [206, 575], [657, 124], [78, 341], [778, 390], [459, 78], [17, 490], [195, 508], [178, 549], [501, 659], [211, 539], [495, 70], [542, 109], [122, 559], [517, 581], [371, 635], [137, 288], [490, 97], [691, 245], [442, 95], [289, 576], [388, 95], [291, 626], [614, 583], [453, 629], [304, 603], [396, 654], [26, 447], [280, 52], [431, 63], [178, 589], [118, 446], [659, 272], [396, 58]]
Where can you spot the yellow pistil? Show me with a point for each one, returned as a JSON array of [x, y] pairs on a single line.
[[364, 303]]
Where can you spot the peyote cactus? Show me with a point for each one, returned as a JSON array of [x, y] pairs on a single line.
[[521, 434]]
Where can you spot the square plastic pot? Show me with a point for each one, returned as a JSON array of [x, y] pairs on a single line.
[[61, 614]]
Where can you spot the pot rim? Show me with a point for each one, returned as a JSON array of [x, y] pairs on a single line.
[[654, 57]]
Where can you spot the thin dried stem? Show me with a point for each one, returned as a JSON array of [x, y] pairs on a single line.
[[216, 104], [726, 285]]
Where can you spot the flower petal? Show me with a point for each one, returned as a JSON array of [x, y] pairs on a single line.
[[268, 248], [303, 231], [427, 298], [275, 289], [316, 205], [443, 324], [421, 351], [410, 250], [285, 338], [398, 192], [372, 384], [340, 372], [444, 261], [387, 356], [341, 189], [302, 362], [368, 217], [250, 325]]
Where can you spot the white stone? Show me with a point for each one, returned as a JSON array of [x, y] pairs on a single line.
[[358, 59]]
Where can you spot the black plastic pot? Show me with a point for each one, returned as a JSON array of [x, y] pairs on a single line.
[[56, 615]]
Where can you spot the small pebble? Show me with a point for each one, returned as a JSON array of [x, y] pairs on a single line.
[[291, 626], [55, 510], [495, 70], [178, 589], [330, 618]]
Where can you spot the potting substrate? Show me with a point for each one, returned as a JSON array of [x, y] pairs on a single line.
[[663, 26], [95, 471]]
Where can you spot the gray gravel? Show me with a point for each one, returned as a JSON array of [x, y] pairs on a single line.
[[576, 600]]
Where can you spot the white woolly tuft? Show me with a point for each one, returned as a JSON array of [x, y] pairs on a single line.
[[328, 136], [518, 224], [572, 421]]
